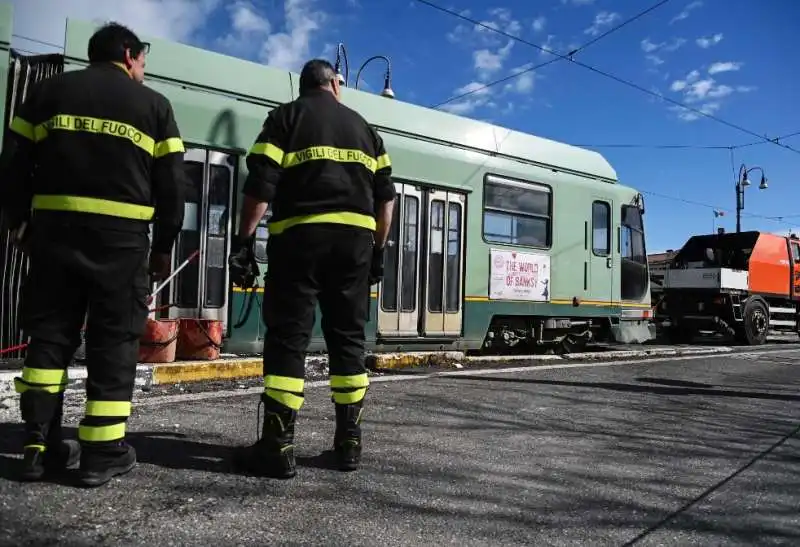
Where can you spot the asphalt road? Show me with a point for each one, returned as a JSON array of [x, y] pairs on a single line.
[[702, 451]]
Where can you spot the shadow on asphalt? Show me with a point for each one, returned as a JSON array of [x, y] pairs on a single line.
[[169, 450], [633, 388]]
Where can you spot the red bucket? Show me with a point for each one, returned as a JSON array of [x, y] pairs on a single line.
[[200, 339], [157, 344]]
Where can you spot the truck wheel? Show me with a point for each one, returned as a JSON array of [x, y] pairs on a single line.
[[755, 327]]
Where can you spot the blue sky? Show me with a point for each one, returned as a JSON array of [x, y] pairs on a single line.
[[730, 58]]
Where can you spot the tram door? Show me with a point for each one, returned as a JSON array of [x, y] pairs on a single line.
[[443, 264], [421, 292], [201, 289], [398, 297]]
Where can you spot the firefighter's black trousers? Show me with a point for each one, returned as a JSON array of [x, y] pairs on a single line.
[[329, 264], [75, 270]]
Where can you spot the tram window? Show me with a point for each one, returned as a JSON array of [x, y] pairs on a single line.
[[188, 240], [410, 248], [634, 268], [601, 228], [216, 265], [517, 213], [436, 257], [391, 260], [262, 235], [453, 300]]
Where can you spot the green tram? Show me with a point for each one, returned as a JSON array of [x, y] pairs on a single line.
[[501, 239]]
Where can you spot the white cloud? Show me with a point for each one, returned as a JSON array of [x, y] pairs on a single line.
[[524, 83], [479, 96], [601, 20], [247, 27], [676, 44], [176, 20], [539, 23], [686, 11], [706, 93], [707, 42], [549, 44], [649, 47], [487, 63], [724, 67], [689, 116], [655, 59], [489, 57], [290, 49]]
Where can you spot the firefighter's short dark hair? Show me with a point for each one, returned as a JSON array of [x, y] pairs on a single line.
[[316, 73], [110, 41]]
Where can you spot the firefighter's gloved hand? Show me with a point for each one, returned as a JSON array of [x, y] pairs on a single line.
[[242, 262], [376, 268]]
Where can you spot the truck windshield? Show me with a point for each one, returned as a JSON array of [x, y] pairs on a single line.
[[717, 251]]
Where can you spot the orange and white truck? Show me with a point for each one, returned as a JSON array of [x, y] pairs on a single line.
[[744, 284]]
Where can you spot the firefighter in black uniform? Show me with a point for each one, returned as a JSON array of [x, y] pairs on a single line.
[[95, 157], [326, 173]]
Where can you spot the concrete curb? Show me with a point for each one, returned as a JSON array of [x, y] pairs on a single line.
[[415, 359], [150, 375]]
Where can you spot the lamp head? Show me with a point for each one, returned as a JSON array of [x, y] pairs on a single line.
[[387, 87], [745, 180], [763, 185]]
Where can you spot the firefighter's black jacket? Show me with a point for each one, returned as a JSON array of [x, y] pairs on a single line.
[[316, 160], [96, 148]]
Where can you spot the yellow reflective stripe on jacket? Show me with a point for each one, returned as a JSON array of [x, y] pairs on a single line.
[[168, 146], [100, 126], [80, 204], [351, 219], [23, 128], [67, 122], [341, 155], [383, 162], [270, 150]]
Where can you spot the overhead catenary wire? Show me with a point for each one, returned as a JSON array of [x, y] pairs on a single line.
[[777, 219], [607, 75], [551, 61]]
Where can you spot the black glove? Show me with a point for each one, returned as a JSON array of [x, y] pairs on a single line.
[[376, 268], [242, 262]]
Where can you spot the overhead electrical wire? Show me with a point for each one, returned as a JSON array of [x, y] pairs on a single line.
[[551, 61], [607, 75], [777, 219]]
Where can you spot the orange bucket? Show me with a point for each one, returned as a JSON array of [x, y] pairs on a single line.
[[157, 344], [200, 339]]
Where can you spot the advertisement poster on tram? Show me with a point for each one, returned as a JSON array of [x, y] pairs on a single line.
[[519, 276]]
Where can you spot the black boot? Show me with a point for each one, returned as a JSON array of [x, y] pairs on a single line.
[[45, 450], [101, 462], [347, 439], [273, 454]]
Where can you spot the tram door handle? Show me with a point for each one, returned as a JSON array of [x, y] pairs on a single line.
[[608, 263]]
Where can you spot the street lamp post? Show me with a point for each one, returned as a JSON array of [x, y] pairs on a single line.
[[387, 78], [743, 182]]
